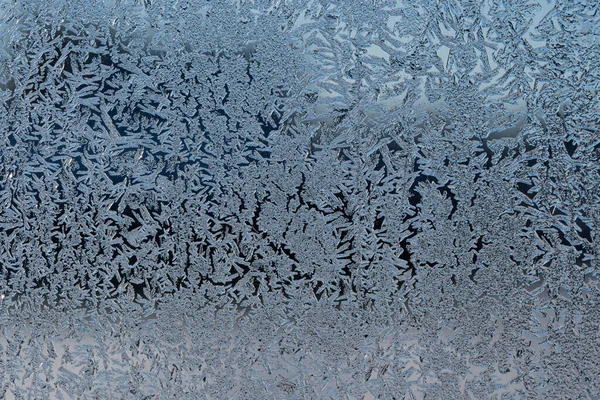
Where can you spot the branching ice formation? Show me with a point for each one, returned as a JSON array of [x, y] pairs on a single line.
[[261, 199]]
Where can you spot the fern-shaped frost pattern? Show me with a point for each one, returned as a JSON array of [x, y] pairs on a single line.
[[285, 199]]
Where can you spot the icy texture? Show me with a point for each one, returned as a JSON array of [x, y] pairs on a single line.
[[277, 199]]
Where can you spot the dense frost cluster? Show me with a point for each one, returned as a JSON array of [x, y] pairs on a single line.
[[269, 199]]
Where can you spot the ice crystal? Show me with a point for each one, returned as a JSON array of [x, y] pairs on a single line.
[[287, 199]]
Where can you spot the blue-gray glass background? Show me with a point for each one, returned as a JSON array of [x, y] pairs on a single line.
[[285, 199]]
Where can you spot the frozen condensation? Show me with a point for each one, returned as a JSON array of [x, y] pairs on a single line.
[[284, 199]]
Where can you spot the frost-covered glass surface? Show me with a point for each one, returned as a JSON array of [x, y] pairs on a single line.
[[285, 199]]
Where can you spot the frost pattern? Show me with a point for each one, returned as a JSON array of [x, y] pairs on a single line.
[[288, 199]]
